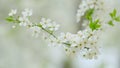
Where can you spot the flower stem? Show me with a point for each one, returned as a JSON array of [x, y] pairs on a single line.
[[51, 33]]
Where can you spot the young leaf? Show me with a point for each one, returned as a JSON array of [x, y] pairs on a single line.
[[117, 19], [98, 26], [10, 19], [94, 25], [113, 14], [111, 23], [91, 25], [89, 14], [96, 21]]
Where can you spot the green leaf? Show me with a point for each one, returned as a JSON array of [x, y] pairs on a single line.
[[111, 23], [94, 25], [113, 13], [89, 17], [114, 17], [89, 13], [117, 19], [10, 19], [98, 26], [96, 21], [91, 25]]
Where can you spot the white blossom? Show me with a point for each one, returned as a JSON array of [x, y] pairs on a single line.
[[13, 12], [35, 31], [84, 41], [13, 26], [27, 12], [24, 19], [84, 6], [49, 24], [54, 42]]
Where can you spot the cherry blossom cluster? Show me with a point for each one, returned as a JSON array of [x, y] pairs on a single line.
[[49, 24], [24, 19], [84, 42], [46, 25]]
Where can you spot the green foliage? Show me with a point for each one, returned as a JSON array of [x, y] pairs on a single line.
[[113, 13], [117, 18], [94, 25], [114, 17], [111, 23], [89, 13], [10, 19]]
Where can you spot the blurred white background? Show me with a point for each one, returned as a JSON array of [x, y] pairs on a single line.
[[18, 49]]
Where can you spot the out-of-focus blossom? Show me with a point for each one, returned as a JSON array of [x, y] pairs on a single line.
[[13, 12]]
